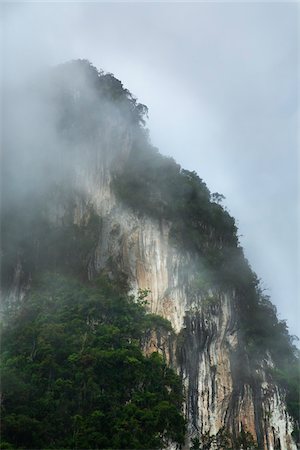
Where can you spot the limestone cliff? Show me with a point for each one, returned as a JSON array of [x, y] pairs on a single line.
[[222, 387], [206, 329]]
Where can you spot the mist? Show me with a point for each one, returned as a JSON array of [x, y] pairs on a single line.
[[149, 256], [220, 82]]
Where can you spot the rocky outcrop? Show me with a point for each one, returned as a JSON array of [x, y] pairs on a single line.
[[205, 323], [206, 343]]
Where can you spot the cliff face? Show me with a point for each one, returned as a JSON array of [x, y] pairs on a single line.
[[207, 344], [206, 330]]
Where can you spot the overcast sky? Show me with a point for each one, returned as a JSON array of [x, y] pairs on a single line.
[[221, 83]]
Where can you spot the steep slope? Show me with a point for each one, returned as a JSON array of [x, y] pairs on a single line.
[[122, 209]]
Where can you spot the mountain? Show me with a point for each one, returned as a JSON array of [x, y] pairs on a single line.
[[131, 317]]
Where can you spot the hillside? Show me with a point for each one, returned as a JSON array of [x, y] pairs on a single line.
[[131, 317]]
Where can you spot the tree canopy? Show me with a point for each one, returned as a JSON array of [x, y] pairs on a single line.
[[74, 374]]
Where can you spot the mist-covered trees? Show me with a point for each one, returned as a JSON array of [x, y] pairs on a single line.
[[37, 244], [85, 97], [157, 186], [74, 375]]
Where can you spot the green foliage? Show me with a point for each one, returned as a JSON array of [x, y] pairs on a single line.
[[201, 283], [159, 323], [142, 296], [74, 375], [217, 198], [287, 374], [264, 334], [86, 97], [224, 440], [157, 186], [211, 302]]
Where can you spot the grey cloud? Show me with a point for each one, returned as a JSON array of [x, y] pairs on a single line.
[[220, 81]]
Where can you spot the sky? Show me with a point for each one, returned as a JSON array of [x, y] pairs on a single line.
[[221, 82]]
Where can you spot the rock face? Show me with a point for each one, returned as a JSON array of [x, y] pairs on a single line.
[[205, 327], [206, 332], [207, 339]]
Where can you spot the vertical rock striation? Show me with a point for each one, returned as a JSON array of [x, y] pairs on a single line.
[[206, 332]]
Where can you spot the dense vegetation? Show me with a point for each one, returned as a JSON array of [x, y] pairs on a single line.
[[157, 186], [224, 440], [74, 375], [79, 90]]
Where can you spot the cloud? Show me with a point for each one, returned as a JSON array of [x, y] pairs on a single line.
[[220, 81]]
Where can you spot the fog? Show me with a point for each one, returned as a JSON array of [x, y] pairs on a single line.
[[221, 84]]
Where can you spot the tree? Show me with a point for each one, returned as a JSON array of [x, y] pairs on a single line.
[[217, 198]]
